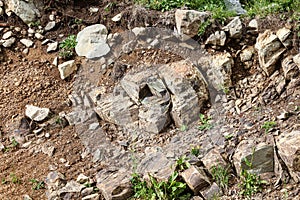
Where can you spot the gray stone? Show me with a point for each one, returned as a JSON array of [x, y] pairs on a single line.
[[67, 68], [290, 69], [36, 113], [195, 179], [296, 60], [38, 36], [91, 42], [26, 10], [71, 187], [117, 17], [212, 192], [9, 42], [234, 28], [50, 25], [82, 178], [52, 47], [114, 184], [247, 53], [79, 116], [269, 50], [219, 73], [28, 43], [87, 191], [289, 151], [91, 197], [235, 6], [217, 39], [213, 159], [1, 11], [253, 24], [7, 35], [54, 181], [285, 36], [48, 149], [261, 156], [139, 31], [189, 21]]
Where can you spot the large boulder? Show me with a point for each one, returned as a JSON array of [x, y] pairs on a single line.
[[26, 10], [269, 49], [91, 42], [289, 152]]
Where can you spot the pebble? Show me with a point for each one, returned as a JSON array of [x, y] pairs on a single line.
[[28, 43], [7, 35]]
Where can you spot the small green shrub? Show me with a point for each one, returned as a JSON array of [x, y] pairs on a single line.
[[14, 143], [203, 27], [268, 126], [171, 190], [37, 185], [182, 163], [15, 179], [195, 151], [67, 47], [220, 176], [205, 124]]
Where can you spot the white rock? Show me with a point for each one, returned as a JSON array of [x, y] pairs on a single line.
[[50, 26], [55, 61], [9, 42], [117, 17], [1, 11], [234, 28], [25, 51], [7, 35], [52, 47], [296, 60], [91, 42], [138, 31], [82, 178], [93, 9], [28, 43], [36, 113], [38, 36], [1, 4], [51, 17], [253, 24], [31, 31], [67, 68]]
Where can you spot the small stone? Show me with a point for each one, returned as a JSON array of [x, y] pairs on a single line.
[[246, 54], [36, 113], [38, 36], [48, 150], [7, 35], [87, 191], [117, 17], [82, 179], [139, 31], [283, 34], [217, 39], [93, 9], [67, 68], [46, 41], [27, 197], [9, 42], [55, 61], [1, 146], [51, 17], [284, 115], [47, 135], [234, 28], [31, 31], [52, 47], [213, 191], [54, 181], [296, 60], [91, 197], [25, 51], [28, 43], [50, 25]]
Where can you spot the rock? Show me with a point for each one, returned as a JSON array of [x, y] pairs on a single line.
[[247, 53], [26, 197], [38, 36], [181, 78], [212, 192], [67, 68], [253, 24], [71, 187], [234, 28], [139, 31], [1, 11], [26, 10], [91, 197], [156, 164], [296, 60], [261, 156], [28, 43], [93, 9], [7, 35], [290, 69], [235, 6], [9, 42], [217, 39], [2, 147], [80, 116], [52, 47], [269, 50], [82, 178], [91, 42], [117, 17], [283, 35], [87, 191], [283, 115], [114, 185], [289, 151], [195, 179], [36, 113], [50, 25], [48, 150], [189, 21], [54, 181], [219, 73], [213, 159]]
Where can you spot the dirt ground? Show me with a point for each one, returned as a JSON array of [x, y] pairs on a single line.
[[32, 79]]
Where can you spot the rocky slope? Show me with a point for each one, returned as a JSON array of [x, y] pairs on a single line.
[[131, 100]]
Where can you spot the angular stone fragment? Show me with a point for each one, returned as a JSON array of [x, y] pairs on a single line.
[[217, 39], [91, 197], [290, 69], [247, 53], [213, 159], [260, 155], [114, 185], [234, 28], [28, 43], [285, 36], [296, 60], [213, 191], [54, 181], [9, 42], [67, 68], [195, 179], [189, 21], [35, 113], [71, 187], [289, 151], [269, 50]]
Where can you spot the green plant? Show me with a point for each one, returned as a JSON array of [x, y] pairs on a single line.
[[35, 24], [14, 143], [268, 126], [203, 27], [250, 182], [3, 181], [37, 185], [205, 124], [182, 163], [220, 176], [14, 178], [195, 151], [171, 190], [67, 47]]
